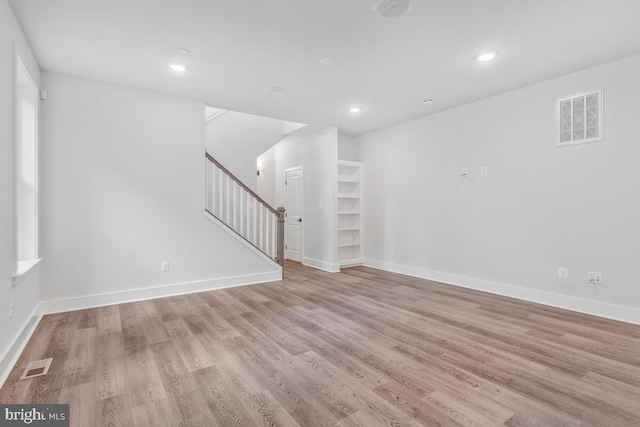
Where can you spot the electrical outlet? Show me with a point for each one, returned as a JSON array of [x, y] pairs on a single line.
[[10, 309], [484, 171], [563, 273], [164, 266], [594, 277]]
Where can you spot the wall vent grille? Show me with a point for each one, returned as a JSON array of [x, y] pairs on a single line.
[[580, 118]]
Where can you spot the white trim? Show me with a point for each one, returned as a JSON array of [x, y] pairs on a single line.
[[581, 305], [21, 275], [244, 242], [19, 65], [13, 353], [346, 263], [321, 265], [215, 115], [99, 300], [15, 159]]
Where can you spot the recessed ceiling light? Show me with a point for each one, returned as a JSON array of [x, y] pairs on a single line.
[[427, 101], [184, 51], [326, 61], [178, 67], [487, 56], [355, 109]]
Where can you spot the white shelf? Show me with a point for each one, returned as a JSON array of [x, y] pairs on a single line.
[[346, 178], [349, 213]]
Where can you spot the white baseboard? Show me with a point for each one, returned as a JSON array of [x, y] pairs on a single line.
[[99, 300], [9, 359], [321, 265], [596, 308]]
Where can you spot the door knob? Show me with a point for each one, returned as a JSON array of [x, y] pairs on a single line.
[[299, 219]]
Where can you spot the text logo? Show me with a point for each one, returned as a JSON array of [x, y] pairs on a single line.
[[34, 415]]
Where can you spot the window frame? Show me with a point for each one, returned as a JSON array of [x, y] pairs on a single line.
[[20, 272]]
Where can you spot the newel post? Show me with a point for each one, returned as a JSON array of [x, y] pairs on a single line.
[[281, 237]]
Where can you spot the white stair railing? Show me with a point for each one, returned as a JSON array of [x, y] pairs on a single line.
[[243, 211]]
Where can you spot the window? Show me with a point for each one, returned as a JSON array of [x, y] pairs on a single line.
[[580, 118], [25, 139]]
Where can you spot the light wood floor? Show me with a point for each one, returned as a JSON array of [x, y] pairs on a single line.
[[359, 348]]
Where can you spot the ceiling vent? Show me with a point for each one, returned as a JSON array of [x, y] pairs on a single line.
[[580, 118], [392, 8]]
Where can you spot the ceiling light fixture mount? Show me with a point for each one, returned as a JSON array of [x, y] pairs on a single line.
[[326, 61], [354, 109], [275, 90], [392, 8], [487, 56], [178, 67]]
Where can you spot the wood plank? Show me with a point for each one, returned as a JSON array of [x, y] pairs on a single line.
[[80, 364], [110, 367], [144, 382], [358, 348], [191, 351]]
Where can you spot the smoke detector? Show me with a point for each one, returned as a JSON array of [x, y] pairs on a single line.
[[392, 8]]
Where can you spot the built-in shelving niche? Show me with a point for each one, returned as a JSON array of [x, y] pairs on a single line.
[[350, 213]]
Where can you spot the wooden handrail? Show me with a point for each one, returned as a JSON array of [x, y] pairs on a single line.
[[259, 244], [241, 184]]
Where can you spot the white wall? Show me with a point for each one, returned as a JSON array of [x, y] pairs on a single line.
[[25, 296], [237, 139], [123, 181], [266, 181], [539, 208], [317, 153], [290, 127], [346, 148]]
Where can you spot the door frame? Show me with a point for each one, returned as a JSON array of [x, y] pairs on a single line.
[[286, 203]]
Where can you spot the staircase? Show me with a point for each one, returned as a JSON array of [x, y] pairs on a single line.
[[234, 204]]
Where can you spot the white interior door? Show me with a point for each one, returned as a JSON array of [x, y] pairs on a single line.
[[294, 200]]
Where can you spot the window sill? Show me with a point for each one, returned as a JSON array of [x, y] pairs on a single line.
[[24, 269]]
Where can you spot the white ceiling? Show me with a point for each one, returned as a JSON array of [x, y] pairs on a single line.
[[385, 65]]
